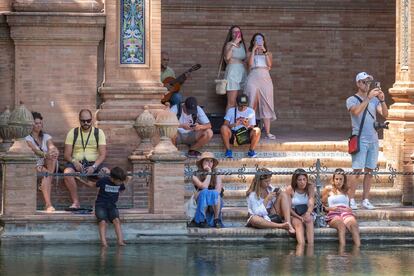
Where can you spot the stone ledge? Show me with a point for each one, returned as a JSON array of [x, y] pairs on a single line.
[[58, 6]]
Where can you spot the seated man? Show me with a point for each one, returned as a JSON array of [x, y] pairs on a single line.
[[85, 151], [195, 128], [236, 118]]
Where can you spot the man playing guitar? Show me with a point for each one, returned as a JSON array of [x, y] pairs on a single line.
[[168, 72]]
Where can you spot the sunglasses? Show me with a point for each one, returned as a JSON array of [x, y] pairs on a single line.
[[88, 121]]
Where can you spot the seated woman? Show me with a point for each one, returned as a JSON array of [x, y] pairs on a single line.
[[267, 207], [209, 192], [336, 201], [47, 154], [302, 194]]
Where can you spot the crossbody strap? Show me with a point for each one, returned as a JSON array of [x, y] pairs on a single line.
[[363, 116]]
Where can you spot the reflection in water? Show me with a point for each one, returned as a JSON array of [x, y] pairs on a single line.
[[203, 259]]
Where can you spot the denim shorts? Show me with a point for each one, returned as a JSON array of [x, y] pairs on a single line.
[[106, 213], [367, 157]]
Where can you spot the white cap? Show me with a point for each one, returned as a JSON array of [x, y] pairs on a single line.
[[363, 76]]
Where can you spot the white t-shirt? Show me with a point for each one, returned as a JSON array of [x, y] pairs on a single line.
[[246, 114], [188, 119], [256, 206], [43, 146]]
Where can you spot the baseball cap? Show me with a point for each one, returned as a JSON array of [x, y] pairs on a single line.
[[362, 76], [191, 105], [242, 99]]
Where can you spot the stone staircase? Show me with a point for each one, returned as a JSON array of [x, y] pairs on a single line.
[[287, 156]]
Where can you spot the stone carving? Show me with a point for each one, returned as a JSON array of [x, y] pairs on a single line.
[[145, 127], [132, 33], [21, 124], [167, 123], [5, 131]]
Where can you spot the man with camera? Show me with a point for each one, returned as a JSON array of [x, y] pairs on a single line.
[[363, 107], [195, 127], [240, 120]]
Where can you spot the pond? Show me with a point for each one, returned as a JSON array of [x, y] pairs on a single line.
[[206, 259]]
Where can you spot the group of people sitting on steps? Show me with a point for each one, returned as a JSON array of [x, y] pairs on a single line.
[[269, 207]]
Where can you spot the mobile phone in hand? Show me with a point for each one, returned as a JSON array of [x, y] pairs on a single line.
[[276, 190]]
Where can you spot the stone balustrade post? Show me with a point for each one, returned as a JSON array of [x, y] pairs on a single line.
[[19, 184]]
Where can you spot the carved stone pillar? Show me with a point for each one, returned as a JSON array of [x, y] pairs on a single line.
[[399, 138], [132, 71]]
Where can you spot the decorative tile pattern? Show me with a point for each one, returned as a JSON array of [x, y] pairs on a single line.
[[132, 32]]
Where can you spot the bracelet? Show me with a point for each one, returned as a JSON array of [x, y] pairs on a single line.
[[382, 101]]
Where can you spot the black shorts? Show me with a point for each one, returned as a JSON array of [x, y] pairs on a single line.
[[86, 164], [106, 213]]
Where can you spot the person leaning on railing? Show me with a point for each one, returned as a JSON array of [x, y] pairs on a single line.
[[336, 201], [42, 145]]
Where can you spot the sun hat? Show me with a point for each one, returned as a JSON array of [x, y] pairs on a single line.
[[206, 155]]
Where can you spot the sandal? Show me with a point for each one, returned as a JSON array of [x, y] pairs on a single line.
[[50, 209], [270, 136]]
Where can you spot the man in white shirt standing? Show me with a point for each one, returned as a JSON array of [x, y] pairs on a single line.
[[195, 127], [237, 118]]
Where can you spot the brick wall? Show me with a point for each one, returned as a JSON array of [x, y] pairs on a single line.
[[318, 47], [6, 65]]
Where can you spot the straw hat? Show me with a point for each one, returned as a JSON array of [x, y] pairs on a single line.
[[206, 155]]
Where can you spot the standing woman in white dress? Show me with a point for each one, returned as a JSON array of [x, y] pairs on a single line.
[[233, 57], [259, 86]]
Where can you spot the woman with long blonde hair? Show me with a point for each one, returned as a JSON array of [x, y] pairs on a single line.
[[268, 207]]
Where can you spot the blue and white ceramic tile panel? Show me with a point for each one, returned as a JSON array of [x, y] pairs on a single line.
[[132, 33]]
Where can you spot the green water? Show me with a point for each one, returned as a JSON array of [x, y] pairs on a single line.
[[204, 259]]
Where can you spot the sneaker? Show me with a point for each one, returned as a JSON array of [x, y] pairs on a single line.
[[229, 154], [193, 154], [203, 224], [251, 153], [353, 204], [367, 205], [217, 223], [270, 136]]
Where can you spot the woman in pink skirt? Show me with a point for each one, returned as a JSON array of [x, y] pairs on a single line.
[[336, 201], [259, 86]]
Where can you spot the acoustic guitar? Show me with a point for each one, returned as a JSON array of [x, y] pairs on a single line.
[[174, 84]]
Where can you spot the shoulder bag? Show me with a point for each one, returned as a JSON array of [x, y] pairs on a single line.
[[353, 140]]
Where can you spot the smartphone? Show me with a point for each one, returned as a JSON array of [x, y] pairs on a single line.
[[276, 190], [374, 84], [259, 40]]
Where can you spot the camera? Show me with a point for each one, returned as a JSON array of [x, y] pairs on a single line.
[[379, 125]]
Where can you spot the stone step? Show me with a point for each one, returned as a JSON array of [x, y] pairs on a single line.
[[216, 144], [282, 161], [382, 216], [378, 196], [140, 227], [234, 182]]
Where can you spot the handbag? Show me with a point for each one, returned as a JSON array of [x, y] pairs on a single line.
[[190, 208], [301, 209], [242, 135], [353, 140], [221, 84]]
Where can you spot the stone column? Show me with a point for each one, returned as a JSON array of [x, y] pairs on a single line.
[[56, 56], [140, 185], [19, 183], [399, 139], [166, 193], [132, 71]]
